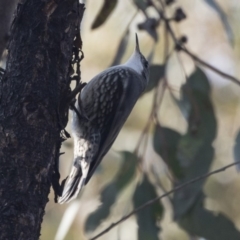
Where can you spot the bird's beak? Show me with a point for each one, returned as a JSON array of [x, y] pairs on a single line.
[[137, 49]]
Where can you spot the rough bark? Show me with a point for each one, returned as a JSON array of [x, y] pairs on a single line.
[[6, 14], [33, 95]]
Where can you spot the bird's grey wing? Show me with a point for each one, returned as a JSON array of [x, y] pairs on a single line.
[[112, 109]]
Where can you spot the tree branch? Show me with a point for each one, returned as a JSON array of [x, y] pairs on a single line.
[[150, 202], [181, 47], [197, 59]]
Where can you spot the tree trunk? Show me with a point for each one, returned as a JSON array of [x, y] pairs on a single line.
[[33, 109], [6, 13]]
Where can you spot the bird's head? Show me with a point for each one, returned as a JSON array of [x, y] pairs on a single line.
[[138, 62]]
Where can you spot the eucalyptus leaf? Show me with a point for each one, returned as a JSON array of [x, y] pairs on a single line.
[[141, 4], [202, 124], [203, 223], [237, 150], [148, 217], [110, 192], [165, 142], [107, 8], [183, 200], [183, 105], [197, 82], [194, 151]]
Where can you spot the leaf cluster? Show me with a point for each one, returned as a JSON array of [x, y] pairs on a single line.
[[187, 155]]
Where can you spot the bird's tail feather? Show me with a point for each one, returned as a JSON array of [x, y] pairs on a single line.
[[74, 183]]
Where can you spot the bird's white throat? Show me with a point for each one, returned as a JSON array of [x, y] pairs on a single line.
[[135, 63]]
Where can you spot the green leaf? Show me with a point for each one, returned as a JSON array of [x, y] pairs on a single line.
[[104, 13], [112, 190], [203, 223], [141, 4], [198, 81], [121, 49], [127, 171], [188, 148], [223, 17], [202, 123], [184, 199], [194, 151], [148, 217], [236, 150], [183, 105], [198, 84], [165, 142], [156, 73]]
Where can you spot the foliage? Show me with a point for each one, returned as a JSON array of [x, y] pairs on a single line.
[[110, 192], [187, 155], [148, 217]]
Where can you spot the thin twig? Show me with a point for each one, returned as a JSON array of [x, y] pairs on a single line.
[[197, 59], [150, 202], [184, 49], [159, 95], [156, 104]]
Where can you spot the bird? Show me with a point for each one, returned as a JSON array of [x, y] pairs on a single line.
[[101, 109]]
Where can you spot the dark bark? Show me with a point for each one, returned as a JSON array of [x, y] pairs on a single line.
[[6, 13], [33, 96]]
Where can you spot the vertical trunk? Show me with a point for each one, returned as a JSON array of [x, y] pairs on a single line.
[[32, 111], [6, 13]]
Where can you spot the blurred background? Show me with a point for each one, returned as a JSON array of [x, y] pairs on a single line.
[[212, 35]]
